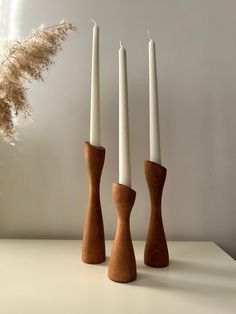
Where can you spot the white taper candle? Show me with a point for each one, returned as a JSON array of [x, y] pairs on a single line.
[[124, 145], [95, 91], [155, 147]]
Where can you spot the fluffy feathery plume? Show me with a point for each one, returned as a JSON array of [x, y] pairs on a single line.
[[26, 60]]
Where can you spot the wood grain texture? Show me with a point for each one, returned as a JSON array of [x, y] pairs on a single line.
[[93, 248], [122, 263], [156, 250]]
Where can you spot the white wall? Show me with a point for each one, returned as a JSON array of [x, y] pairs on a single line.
[[43, 180]]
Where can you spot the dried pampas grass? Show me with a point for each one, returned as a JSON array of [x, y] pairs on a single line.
[[26, 60]]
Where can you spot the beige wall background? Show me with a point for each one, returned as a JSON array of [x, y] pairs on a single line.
[[43, 180]]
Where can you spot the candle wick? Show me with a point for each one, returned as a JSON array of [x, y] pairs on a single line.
[[120, 44], [93, 21], [149, 36]]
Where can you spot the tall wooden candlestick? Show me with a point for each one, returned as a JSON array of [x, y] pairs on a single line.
[[93, 249], [156, 250], [122, 264]]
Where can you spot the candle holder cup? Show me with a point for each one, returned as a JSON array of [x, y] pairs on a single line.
[[156, 250], [122, 263], [93, 247]]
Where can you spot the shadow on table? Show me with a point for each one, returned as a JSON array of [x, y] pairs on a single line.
[[201, 268], [186, 277]]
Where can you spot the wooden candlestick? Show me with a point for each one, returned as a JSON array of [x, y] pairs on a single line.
[[93, 248], [122, 263], [156, 250]]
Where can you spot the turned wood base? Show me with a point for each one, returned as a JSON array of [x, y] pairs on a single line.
[[156, 250], [122, 263], [93, 248]]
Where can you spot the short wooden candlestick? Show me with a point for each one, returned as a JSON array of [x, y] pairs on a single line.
[[156, 250], [93, 248], [122, 263]]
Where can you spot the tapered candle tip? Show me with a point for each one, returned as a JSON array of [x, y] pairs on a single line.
[[149, 36], [121, 44], [93, 21]]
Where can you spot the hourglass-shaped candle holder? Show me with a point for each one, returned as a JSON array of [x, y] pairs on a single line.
[[93, 247], [122, 263], [156, 250]]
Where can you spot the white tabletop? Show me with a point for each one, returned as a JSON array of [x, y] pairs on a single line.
[[48, 277]]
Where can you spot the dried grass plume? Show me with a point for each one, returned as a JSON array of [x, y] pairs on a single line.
[[25, 61]]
